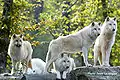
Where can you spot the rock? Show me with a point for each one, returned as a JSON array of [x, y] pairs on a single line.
[[80, 73], [7, 76], [49, 76], [95, 73]]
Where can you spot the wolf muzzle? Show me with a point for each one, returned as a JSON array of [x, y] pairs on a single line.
[[113, 30], [67, 67], [18, 45], [98, 34]]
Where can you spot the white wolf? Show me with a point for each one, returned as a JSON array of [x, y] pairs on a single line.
[[64, 65], [81, 41], [38, 66], [105, 41], [20, 52]]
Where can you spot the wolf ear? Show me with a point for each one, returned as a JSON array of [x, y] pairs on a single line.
[[99, 23], [114, 18], [14, 35], [21, 35], [107, 19], [93, 24], [68, 55], [62, 55]]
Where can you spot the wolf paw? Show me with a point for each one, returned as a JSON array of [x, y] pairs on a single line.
[[53, 71], [105, 65], [94, 65], [58, 79], [88, 65]]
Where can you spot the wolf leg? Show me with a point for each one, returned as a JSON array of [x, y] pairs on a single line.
[[100, 58], [64, 76], [50, 62], [103, 57], [54, 67], [53, 57], [108, 56], [13, 67], [58, 75], [24, 66], [85, 56], [96, 52]]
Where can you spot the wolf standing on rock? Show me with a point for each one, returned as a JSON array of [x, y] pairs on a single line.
[[81, 41], [105, 41], [20, 52]]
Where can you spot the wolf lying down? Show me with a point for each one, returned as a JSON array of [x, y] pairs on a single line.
[[80, 41], [38, 66], [20, 52], [63, 65]]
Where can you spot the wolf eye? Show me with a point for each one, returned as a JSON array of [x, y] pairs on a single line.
[[64, 61], [98, 28], [68, 61], [110, 24], [16, 40], [20, 40], [94, 28], [114, 24]]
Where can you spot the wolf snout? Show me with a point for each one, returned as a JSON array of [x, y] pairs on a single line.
[[98, 34], [33, 70], [67, 67], [113, 29], [18, 45]]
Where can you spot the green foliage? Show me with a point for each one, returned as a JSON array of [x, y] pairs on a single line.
[[81, 15], [52, 22], [21, 16]]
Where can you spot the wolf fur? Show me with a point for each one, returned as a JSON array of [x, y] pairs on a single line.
[[105, 41], [80, 41], [38, 66], [64, 65], [20, 51]]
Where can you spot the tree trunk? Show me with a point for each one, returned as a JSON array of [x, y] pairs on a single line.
[[104, 6], [38, 10], [5, 32]]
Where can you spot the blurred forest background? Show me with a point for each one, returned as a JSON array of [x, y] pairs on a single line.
[[43, 20]]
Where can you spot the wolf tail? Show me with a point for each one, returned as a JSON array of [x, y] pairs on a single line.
[[30, 64], [47, 56], [49, 51]]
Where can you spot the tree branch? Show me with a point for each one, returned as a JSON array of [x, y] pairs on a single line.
[[54, 37], [71, 5]]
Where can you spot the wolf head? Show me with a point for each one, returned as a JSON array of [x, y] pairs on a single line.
[[110, 24], [17, 40], [95, 29], [63, 63]]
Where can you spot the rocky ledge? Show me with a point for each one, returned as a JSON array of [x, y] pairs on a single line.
[[80, 73], [95, 73]]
